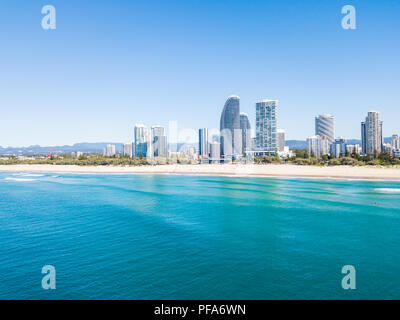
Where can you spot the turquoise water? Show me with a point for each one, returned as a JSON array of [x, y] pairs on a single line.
[[197, 237]]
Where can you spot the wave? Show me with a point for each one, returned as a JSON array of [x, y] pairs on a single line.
[[32, 175], [20, 179], [388, 190]]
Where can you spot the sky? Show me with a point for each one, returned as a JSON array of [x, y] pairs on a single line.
[[111, 64]]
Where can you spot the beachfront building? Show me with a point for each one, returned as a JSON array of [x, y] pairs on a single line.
[[203, 143], [314, 146], [280, 140], [109, 150], [246, 132], [353, 149], [387, 148], [325, 127], [338, 147], [266, 127], [127, 150], [142, 142], [215, 155], [371, 134], [230, 135], [159, 143], [325, 145], [395, 142]]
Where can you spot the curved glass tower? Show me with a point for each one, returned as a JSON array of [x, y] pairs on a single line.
[[325, 127], [231, 137], [246, 134]]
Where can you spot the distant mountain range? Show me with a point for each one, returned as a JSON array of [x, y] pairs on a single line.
[[98, 147], [84, 147]]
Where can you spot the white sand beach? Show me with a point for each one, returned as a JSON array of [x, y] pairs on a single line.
[[270, 170]]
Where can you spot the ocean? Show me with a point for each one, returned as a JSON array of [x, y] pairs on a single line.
[[197, 237]]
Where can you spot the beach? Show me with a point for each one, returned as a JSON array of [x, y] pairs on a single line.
[[269, 170]]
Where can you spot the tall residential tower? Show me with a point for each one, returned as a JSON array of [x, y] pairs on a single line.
[[371, 134], [266, 126], [246, 133], [325, 127], [203, 143], [231, 137]]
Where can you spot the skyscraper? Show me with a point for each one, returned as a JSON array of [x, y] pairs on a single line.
[[246, 133], [231, 138], [395, 142], [371, 134], [109, 150], [280, 139], [203, 143], [159, 144], [266, 125], [314, 146], [325, 127], [142, 141], [127, 150], [215, 148], [338, 147]]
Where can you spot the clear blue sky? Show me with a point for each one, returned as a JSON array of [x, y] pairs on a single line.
[[111, 64]]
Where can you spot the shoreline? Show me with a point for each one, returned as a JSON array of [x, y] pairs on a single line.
[[239, 170]]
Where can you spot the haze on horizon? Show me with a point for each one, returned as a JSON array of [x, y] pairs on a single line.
[[109, 65]]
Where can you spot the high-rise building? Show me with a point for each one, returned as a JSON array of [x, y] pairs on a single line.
[[325, 146], [339, 147], [371, 134], [266, 126], [142, 141], [325, 127], [159, 143], [127, 150], [353, 148], [314, 146], [246, 132], [280, 139], [387, 148], [109, 150], [203, 143], [215, 148], [395, 142], [230, 135]]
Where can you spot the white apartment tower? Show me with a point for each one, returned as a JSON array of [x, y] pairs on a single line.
[[371, 134]]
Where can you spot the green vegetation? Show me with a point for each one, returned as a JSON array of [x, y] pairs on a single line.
[[302, 158], [83, 160], [92, 160]]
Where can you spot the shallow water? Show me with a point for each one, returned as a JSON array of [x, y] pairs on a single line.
[[197, 237]]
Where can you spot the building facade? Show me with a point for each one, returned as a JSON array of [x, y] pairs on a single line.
[[159, 142], [280, 139], [266, 126], [142, 142], [395, 142], [338, 147], [203, 143], [325, 127], [371, 134], [109, 150], [127, 150], [246, 132], [215, 155], [314, 148], [230, 135]]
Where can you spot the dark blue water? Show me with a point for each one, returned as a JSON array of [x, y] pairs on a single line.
[[197, 237]]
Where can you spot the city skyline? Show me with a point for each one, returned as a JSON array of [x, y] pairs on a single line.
[[131, 58]]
